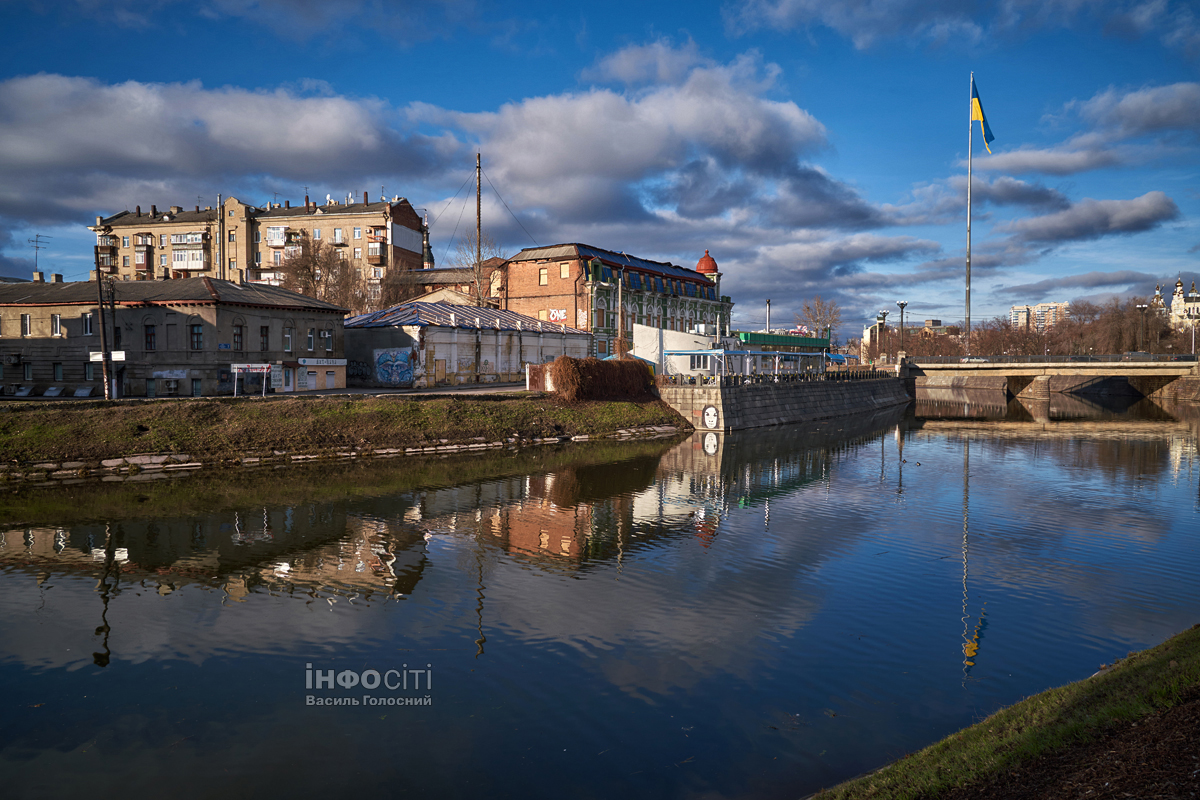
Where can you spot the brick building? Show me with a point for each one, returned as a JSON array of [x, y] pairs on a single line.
[[175, 338], [587, 287], [238, 241]]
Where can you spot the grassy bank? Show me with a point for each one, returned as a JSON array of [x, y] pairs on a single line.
[[214, 491], [1019, 745], [209, 428]]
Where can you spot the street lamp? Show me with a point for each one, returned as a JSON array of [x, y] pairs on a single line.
[[883, 312], [1192, 315], [1142, 307], [902, 304]]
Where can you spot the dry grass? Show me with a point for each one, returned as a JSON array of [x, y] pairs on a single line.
[[593, 379]]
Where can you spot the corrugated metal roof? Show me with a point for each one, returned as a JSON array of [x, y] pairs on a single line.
[[588, 252], [446, 315], [186, 290]]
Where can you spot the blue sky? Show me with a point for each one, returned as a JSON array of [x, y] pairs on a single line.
[[812, 147]]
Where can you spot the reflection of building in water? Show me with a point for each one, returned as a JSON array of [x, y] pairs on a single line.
[[289, 549]]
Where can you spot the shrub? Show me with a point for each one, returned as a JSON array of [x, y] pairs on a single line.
[[592, 379]]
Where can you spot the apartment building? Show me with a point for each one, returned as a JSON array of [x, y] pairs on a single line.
[[602, 291], [237, 241], [1040, 317]]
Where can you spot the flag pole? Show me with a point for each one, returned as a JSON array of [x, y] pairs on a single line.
[[970, 131]]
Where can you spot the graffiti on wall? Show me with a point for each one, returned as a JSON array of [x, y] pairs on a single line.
[[393, 366]]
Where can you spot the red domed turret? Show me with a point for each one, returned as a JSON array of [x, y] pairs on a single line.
[[707, 265]]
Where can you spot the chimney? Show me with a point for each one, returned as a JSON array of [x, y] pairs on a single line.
[[287, 203], [153, 210], [38, 278], [305, 202], [56, 277], [138, 210], [98, 221], [365, 200], [197, 208], [176, 209]]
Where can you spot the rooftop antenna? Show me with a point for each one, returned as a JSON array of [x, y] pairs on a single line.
[[36, 244]]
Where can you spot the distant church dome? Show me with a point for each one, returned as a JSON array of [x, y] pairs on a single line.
[[707, 265]]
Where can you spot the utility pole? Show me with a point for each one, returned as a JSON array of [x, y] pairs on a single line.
[[103, 334], [902, 304]]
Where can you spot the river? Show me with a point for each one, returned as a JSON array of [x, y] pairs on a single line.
[[750, 615]]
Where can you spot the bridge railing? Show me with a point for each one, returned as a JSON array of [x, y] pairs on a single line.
[[1053, 359]]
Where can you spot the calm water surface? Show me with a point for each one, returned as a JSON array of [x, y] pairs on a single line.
[[752, 615]]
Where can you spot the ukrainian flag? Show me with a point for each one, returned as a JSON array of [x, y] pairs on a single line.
[[977, 114]]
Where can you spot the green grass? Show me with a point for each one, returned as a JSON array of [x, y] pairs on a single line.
[[1143, 683], [212, 428]]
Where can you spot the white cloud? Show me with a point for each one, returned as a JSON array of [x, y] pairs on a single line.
[[1091, 219]]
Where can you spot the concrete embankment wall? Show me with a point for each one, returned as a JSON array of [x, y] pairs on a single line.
[[760, 405], [1187, 388]]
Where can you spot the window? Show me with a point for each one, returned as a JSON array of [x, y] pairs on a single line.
[[287, 340], [257, 237], [191, 237], [377, 272], [341, 255], [58, 371], [264, 337], [87, 324], [316, 233], [311, 336], [125, 260], [564, 270], [124, 241], [599, 323], [232, 237], [233, 266], [56, 324], [231, 213], [150, 337], [28, 371], [89, 373], [276, 258], [258, 258], [276, 235], [699, 362], [373, 249], [602, 346], [337, 235], [197, 335], [358, 233], [196, 390], [139, 258], [237, 337], [543, 276], [357, 251], [162, 259]]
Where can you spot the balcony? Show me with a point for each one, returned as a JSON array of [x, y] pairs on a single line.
[[376, 259]]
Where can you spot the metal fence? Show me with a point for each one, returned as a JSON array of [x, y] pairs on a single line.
[[751, 380], [1046, 359]]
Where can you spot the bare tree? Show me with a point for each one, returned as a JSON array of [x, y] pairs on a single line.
[[820, 314], [464, 257], [322, 271]]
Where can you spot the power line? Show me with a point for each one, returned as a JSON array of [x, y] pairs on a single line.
[[510, 211], [448, 202]]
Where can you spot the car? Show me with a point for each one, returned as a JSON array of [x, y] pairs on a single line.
[[1084, 358], [1136, 355], [973, 360], [1183, 357]]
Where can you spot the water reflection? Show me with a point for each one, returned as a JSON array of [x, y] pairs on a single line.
[[748, 614]]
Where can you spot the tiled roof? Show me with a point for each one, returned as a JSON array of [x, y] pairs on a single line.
[[187, 290], [125, 219], [608, 257], [445, 315], [454, 275]]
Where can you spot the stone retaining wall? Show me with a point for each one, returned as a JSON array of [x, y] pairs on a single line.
[[157, 466], [760, 405]]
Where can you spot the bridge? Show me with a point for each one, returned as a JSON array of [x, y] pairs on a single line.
[[1036, 377]]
